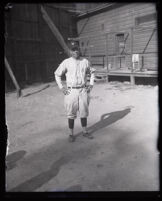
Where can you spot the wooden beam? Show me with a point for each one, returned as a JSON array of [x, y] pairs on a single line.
[[107, 62], [115, 32], [132, 79], [125, 43], [135, 74], [83, 26], [96, 35], [55, 31], [132, 47], [89, 50], [149, 40], [13, 78]]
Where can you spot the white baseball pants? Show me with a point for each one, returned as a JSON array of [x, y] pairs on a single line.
[[77, 101]]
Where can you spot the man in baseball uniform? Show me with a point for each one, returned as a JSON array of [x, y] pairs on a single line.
[[77, 90]]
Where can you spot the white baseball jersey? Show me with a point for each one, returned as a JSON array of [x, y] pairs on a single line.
[[76, 71]]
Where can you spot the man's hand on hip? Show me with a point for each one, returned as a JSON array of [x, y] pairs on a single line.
[[65, 91], [89, 88]]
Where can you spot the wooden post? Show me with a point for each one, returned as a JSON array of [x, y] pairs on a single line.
[[131, 48], [142, 63], [13, 78], [132, 79], [107, 57], [55, 31], [149, 40], [89, 50], [103, 61]]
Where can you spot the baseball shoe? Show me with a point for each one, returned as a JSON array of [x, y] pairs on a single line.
[[87, 135], [71, 138]]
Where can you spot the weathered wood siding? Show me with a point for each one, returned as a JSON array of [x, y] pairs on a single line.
[[121, 19], [31, 49]]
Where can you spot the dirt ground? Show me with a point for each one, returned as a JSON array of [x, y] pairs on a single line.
[[122, 156]]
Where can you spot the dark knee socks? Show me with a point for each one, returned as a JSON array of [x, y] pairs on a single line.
[[84, 122], [71, 123]]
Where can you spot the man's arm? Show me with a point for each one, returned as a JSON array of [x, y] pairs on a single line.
[[91, 72], [92, 78], [58, 81], [58, 73]]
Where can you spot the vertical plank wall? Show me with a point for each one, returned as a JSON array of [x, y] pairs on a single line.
[[119, 19], [31, 49]]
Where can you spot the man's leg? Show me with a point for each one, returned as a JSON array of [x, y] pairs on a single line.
[[84, 127], [71, 106], [71, 128], [84, 111], [84, 124]]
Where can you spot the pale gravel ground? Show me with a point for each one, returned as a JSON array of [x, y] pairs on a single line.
[[121, 157]]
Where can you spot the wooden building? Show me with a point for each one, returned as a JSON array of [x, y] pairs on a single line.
[[112, 33], [31, 49], [109, 35]]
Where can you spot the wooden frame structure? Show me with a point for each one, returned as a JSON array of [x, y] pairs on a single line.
[[130, 72], [18, 89]]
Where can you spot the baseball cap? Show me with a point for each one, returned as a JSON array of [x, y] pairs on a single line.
[[74, 46]]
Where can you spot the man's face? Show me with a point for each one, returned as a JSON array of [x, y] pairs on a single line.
[[75, 54]]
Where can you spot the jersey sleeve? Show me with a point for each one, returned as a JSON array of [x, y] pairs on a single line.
[[91, 72], [59, 72]]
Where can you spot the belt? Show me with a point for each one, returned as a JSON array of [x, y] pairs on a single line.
[[79, 87]]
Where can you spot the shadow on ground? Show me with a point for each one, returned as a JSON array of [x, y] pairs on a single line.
[[107, 119], [35, 92], [12, 159], [68, 153], [67, 156]]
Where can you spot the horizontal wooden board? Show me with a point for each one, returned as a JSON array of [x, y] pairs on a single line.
[[117, 18]]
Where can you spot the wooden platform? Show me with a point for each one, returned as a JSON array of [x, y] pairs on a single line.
[[104, 74]]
